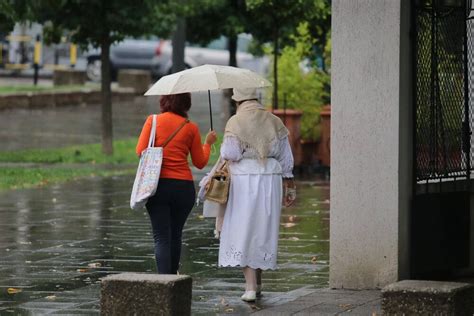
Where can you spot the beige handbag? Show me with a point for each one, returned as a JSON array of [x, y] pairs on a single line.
[[217, 189]]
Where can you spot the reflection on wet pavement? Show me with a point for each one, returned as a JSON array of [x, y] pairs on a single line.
[[57, 241], [71, 125]]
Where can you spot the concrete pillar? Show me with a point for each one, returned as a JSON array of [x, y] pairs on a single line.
[[371, 143]]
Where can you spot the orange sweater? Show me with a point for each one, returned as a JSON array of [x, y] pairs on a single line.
[[175, 154]]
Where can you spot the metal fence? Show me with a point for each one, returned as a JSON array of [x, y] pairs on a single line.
[[444, 89]]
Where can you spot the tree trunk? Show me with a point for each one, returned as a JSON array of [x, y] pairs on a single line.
[[178, 43], [107, 145], [275, 68], [232, 47]]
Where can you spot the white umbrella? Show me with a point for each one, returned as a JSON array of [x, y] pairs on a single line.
[[207, 77]]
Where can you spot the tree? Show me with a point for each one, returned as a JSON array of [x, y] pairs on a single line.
[[99, 24], [276, 20], [216, 18], [219, 18]]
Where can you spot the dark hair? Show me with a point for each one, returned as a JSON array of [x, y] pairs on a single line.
[[176, 103]]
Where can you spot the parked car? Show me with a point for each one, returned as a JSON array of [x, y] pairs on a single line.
[[215, 53], [127, 54]]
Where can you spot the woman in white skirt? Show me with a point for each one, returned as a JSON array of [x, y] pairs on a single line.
[[261, 164]]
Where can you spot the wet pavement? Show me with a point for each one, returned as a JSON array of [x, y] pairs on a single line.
[[71, 125], [56, 242]]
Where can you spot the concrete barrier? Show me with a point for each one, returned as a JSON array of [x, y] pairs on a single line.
[[62, 77], [146, 294], [139, 80], [43, 99], [412, 297]]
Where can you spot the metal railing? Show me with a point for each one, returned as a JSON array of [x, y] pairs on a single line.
[[443, 90]]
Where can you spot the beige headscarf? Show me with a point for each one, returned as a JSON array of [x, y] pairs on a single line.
[[255, 127]]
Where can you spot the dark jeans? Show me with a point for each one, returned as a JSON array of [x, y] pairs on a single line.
[[168, 209]]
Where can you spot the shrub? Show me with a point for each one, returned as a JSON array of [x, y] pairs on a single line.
[[301, 84]]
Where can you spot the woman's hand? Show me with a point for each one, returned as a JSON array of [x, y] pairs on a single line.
[[289, 191], [211, 137]]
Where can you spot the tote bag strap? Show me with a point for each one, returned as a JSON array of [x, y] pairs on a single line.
[[174, 133], [151, 139]]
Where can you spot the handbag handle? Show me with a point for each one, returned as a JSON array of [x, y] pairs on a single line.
[[151, 139]]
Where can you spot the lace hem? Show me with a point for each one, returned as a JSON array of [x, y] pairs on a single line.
[[233, 257], [231, 265]]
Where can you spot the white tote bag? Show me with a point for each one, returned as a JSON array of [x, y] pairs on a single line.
[[148, 172]]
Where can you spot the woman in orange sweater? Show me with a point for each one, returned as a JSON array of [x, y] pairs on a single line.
[[175, 195]]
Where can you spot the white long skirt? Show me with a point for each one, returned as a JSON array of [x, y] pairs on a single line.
[[249, 234]]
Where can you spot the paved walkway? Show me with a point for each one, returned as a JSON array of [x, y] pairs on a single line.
[[56, 242], [329, 302]]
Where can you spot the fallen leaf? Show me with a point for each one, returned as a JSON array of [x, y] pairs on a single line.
[[12, 290], [223, 302], [200, 217], [291, 218], [288, 225], [293, 238], [81, 270], [94, 265], [51, 297], [255, 307], [229, 310], [314, 259], [345, 305]]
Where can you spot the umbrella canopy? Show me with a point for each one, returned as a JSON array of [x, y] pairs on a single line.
[[207, 77]]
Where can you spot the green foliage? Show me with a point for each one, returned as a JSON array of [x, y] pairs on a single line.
[[42, 88], [124, 153], [93, 22], [12, 11], [303, 87]]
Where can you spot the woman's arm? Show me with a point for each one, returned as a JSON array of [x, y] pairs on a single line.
[[142, 143], [231, 149], [200, 153], [285, 158]]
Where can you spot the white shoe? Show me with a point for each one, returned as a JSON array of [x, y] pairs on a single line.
[[249, 296], [259, 290]]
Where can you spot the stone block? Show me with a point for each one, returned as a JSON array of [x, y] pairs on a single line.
[[146, 294], [15, 101], [92, 97], [68, 98], [411, 297], [139, 80], [42, 99], [63, 77]]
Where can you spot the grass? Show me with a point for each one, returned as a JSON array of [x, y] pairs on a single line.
[[42, 88], [124, 152], [88, 158]]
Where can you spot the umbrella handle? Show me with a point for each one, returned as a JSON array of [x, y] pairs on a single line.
[[210, 108]]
